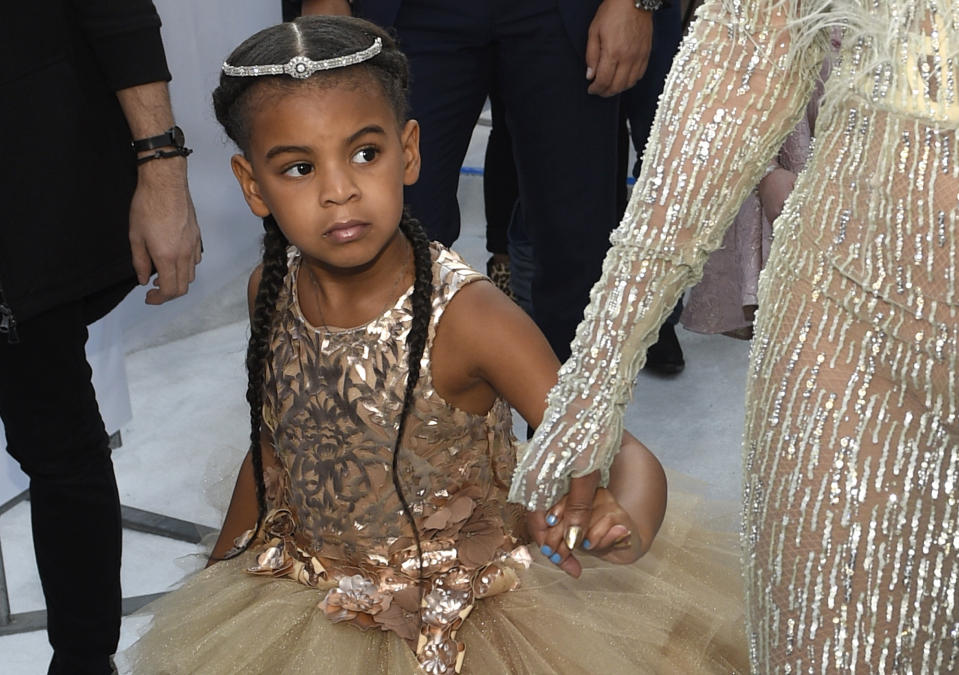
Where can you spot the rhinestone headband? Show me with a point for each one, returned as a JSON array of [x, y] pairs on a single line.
[[302, 67]]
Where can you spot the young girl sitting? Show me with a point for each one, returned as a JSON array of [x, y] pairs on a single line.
[[381, 374]]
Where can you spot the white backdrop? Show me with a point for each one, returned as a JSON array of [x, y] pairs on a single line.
[[198, 35]]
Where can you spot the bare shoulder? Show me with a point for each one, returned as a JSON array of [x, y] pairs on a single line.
[[477, 314], [486, 346], [479, 294]]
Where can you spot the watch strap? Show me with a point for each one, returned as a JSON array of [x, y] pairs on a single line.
[[172, 137]]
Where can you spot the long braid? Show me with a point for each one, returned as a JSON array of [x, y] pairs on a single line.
[[258, 351], [421, 301]]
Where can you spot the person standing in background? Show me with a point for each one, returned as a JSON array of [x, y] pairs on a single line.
[[94, 185], [725, 299]]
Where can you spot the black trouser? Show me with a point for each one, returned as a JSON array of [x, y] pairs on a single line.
[[54, 430], [500, 185], [564, 139]]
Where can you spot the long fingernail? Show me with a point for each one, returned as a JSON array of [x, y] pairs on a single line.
[[574, 535], [547, 551], [555, 558], [551, 520], [586, 544], [589, 73]]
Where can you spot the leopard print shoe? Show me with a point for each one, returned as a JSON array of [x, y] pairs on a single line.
[[498, 273]]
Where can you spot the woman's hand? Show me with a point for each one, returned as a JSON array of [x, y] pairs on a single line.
[[558, 535], [611, 534]]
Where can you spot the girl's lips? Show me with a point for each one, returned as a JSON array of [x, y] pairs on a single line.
[[346, 231]]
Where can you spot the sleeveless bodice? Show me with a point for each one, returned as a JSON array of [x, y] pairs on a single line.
[[332, 401]]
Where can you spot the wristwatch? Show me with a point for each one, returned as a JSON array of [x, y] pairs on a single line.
[[171, 138], [648, 5]]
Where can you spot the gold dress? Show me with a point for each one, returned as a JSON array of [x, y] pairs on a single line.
[[851, 446], [338, 549]]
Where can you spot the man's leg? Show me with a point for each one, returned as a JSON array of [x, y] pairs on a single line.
[[500, 195], [500, 189], [564, 142], [446, 44], [54, 430]]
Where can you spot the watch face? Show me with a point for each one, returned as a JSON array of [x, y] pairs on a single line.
[[178, 138]]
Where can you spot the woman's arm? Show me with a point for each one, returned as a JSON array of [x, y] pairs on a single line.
[[734, 92]]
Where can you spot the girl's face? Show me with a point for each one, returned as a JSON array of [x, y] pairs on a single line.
[[330, 163]]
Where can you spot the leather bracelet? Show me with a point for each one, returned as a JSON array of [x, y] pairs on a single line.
[[164, 154]]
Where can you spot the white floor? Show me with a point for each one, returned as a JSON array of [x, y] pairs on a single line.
[[190, 428]]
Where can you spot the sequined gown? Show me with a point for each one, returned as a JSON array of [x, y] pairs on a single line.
[[851, 445], [333, 585]]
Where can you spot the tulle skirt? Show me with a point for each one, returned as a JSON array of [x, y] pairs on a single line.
[[677, 610]]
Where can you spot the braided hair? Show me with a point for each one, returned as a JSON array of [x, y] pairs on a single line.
[[318, 37], [421, 301], [258, 349]]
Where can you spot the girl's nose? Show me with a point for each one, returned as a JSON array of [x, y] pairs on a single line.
[[338, 187]]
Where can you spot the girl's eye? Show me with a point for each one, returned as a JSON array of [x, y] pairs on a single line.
[[299, 170], [365, 155]]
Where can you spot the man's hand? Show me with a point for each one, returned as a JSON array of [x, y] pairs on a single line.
[[163, 230], [341, 7], [617, 49]]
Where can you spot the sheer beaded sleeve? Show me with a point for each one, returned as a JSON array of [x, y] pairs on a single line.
[[737, 87]]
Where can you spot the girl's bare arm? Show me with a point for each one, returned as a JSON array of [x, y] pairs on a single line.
[[243, 510], [487, 346]]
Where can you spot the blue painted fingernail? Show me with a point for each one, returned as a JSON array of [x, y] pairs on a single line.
[[547, 551], [586, 544], [551, 520], [555, 558]]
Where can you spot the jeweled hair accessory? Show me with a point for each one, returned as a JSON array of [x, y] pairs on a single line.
[[302, 67]]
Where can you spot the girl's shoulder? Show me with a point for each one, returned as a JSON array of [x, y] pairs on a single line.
[[455, 279]]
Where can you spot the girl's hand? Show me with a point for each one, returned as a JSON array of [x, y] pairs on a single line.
[[611, 535]]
